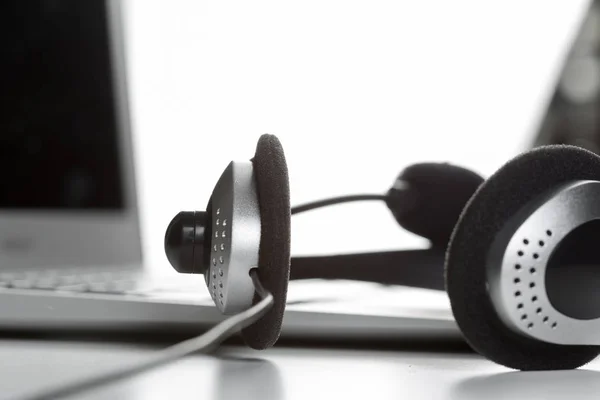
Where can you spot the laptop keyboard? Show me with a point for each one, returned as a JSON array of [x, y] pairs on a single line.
[[117, 282], [136, 283], [304, 295]]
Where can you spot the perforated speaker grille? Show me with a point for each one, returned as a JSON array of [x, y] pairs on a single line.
[[527, 281], [219, 255], [235, 238]]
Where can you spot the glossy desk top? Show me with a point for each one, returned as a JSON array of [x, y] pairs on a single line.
[[285, 373]]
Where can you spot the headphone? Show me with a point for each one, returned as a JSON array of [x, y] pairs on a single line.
[[516, 253]]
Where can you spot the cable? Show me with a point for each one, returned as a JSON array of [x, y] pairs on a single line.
[[203, 343], [336, 200]]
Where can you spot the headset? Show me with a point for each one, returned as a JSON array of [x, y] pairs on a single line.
[[517, 254]]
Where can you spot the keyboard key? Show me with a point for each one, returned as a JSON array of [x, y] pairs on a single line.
[[22, 283], [114, 287], [81, 287], [124, 285], [99, 287], [67, 280], [46, 283]]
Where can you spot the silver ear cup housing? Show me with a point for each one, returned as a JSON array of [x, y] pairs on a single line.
[[519, 258], [235, 238]]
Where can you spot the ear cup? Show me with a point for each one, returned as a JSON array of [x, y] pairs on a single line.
[[501, 196], [272, 183]]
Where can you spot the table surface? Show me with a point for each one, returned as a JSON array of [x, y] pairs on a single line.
[[30, 366]]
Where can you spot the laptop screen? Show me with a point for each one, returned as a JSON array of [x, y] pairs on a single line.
[[59, 145]]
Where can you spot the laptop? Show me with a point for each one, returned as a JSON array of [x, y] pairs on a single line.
[[70, 244]]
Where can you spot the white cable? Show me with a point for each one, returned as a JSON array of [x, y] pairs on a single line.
[[204, 343]]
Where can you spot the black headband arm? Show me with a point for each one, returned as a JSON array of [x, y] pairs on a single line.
[[415, 268]]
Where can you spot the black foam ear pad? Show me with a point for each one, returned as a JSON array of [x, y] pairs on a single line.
[[273, 189], [501, 196]]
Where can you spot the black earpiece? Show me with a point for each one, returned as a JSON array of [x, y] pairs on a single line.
[[187, 242], [427, 199], [492, 245]]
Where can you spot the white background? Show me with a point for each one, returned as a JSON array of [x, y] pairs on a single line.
[[355, 90]]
